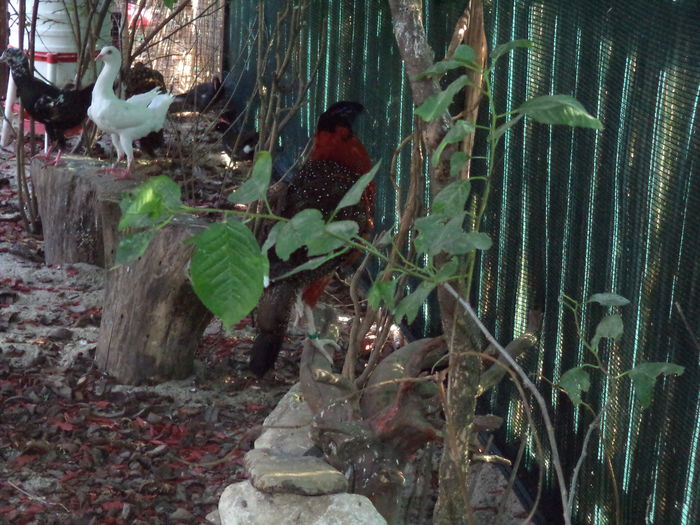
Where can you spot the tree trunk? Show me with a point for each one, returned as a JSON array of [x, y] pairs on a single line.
[[152, 320], [463, 336], [77, 205]]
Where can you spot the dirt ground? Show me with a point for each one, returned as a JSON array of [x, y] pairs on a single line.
[[75, 446]]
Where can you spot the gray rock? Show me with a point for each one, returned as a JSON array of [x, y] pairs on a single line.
[[303, 475], [242, 504], [291, 411]]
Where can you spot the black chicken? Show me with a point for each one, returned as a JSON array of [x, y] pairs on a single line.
[[57, 109], [337, 159], [142, 79], [201, 97]]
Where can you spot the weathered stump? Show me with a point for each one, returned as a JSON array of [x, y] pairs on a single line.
[[152, 320], [78, 206]]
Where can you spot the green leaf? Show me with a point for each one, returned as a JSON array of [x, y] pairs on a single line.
[[354, 194], [479, 240], [559, 109], [457, 162], [644, 378], [312, 264], [410, 304], [227, 270], [150, 203], [169, 3], [272, 236], [500, 130], [464, 54], [447, 271], [608, 299], [294, 234], [132, 246], [457, 132], [503, 49], [326, 240], [440, 68], [574, 382], [610, 327], [255, 188], [436, 105], [451, 199], [382, 292], [429, 227]]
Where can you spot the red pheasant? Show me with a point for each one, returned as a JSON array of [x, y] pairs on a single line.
[[336, 161]]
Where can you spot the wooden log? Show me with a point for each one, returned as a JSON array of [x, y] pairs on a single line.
[[77, 206], [152, 321]]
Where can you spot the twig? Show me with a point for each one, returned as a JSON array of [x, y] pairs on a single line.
[[574, 477], [35, 497], [556, 461]]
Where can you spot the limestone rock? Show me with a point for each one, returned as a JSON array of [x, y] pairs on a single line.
[[303, 475], [291, 411], [242, 504]]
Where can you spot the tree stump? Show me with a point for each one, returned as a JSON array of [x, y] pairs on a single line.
[[152, 320], [78, 206]]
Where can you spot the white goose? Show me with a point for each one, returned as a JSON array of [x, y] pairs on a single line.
[[124, 120]]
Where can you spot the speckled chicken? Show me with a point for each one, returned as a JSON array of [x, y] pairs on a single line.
[[337, 159], [58, 109], [142, 79]]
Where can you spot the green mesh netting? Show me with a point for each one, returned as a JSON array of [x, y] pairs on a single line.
[[573, 212]]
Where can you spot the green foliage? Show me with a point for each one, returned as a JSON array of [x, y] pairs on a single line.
[[559, 109], [255, 188], [411, 304], [151, 203], [354, 194], [457, 132], [132, 246], [227, 270], [435, 106], [574, 382], [506, 48], [644, 378]]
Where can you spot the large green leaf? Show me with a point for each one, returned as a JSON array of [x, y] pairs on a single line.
[[451, 199], [559, 109], [410, 304], [436, 105], [574, 382], [312, 263], [131, 247], [256, 186], [457, 132], [150, 203], [608, 299], [503, 49], [294, 234], [644, 378], [354, 194], [227, 270]]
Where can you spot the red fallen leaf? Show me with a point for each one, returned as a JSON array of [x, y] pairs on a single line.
[[6, 509], [24, 459], [63, 425], [71, 271], [157, 442], [112, 505], [142, 422], [104, 404], [104, 422], [254, 407], [70, 475]]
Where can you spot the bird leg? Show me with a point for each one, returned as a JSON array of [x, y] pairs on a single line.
[[56, 160], [313, 336], [47, 156]]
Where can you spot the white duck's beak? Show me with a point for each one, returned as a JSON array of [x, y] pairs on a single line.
[[99, 56]]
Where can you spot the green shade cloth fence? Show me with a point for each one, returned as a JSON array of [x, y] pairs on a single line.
[[573, 212]]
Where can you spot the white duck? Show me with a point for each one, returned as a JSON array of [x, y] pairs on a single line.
[[125, 120]]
